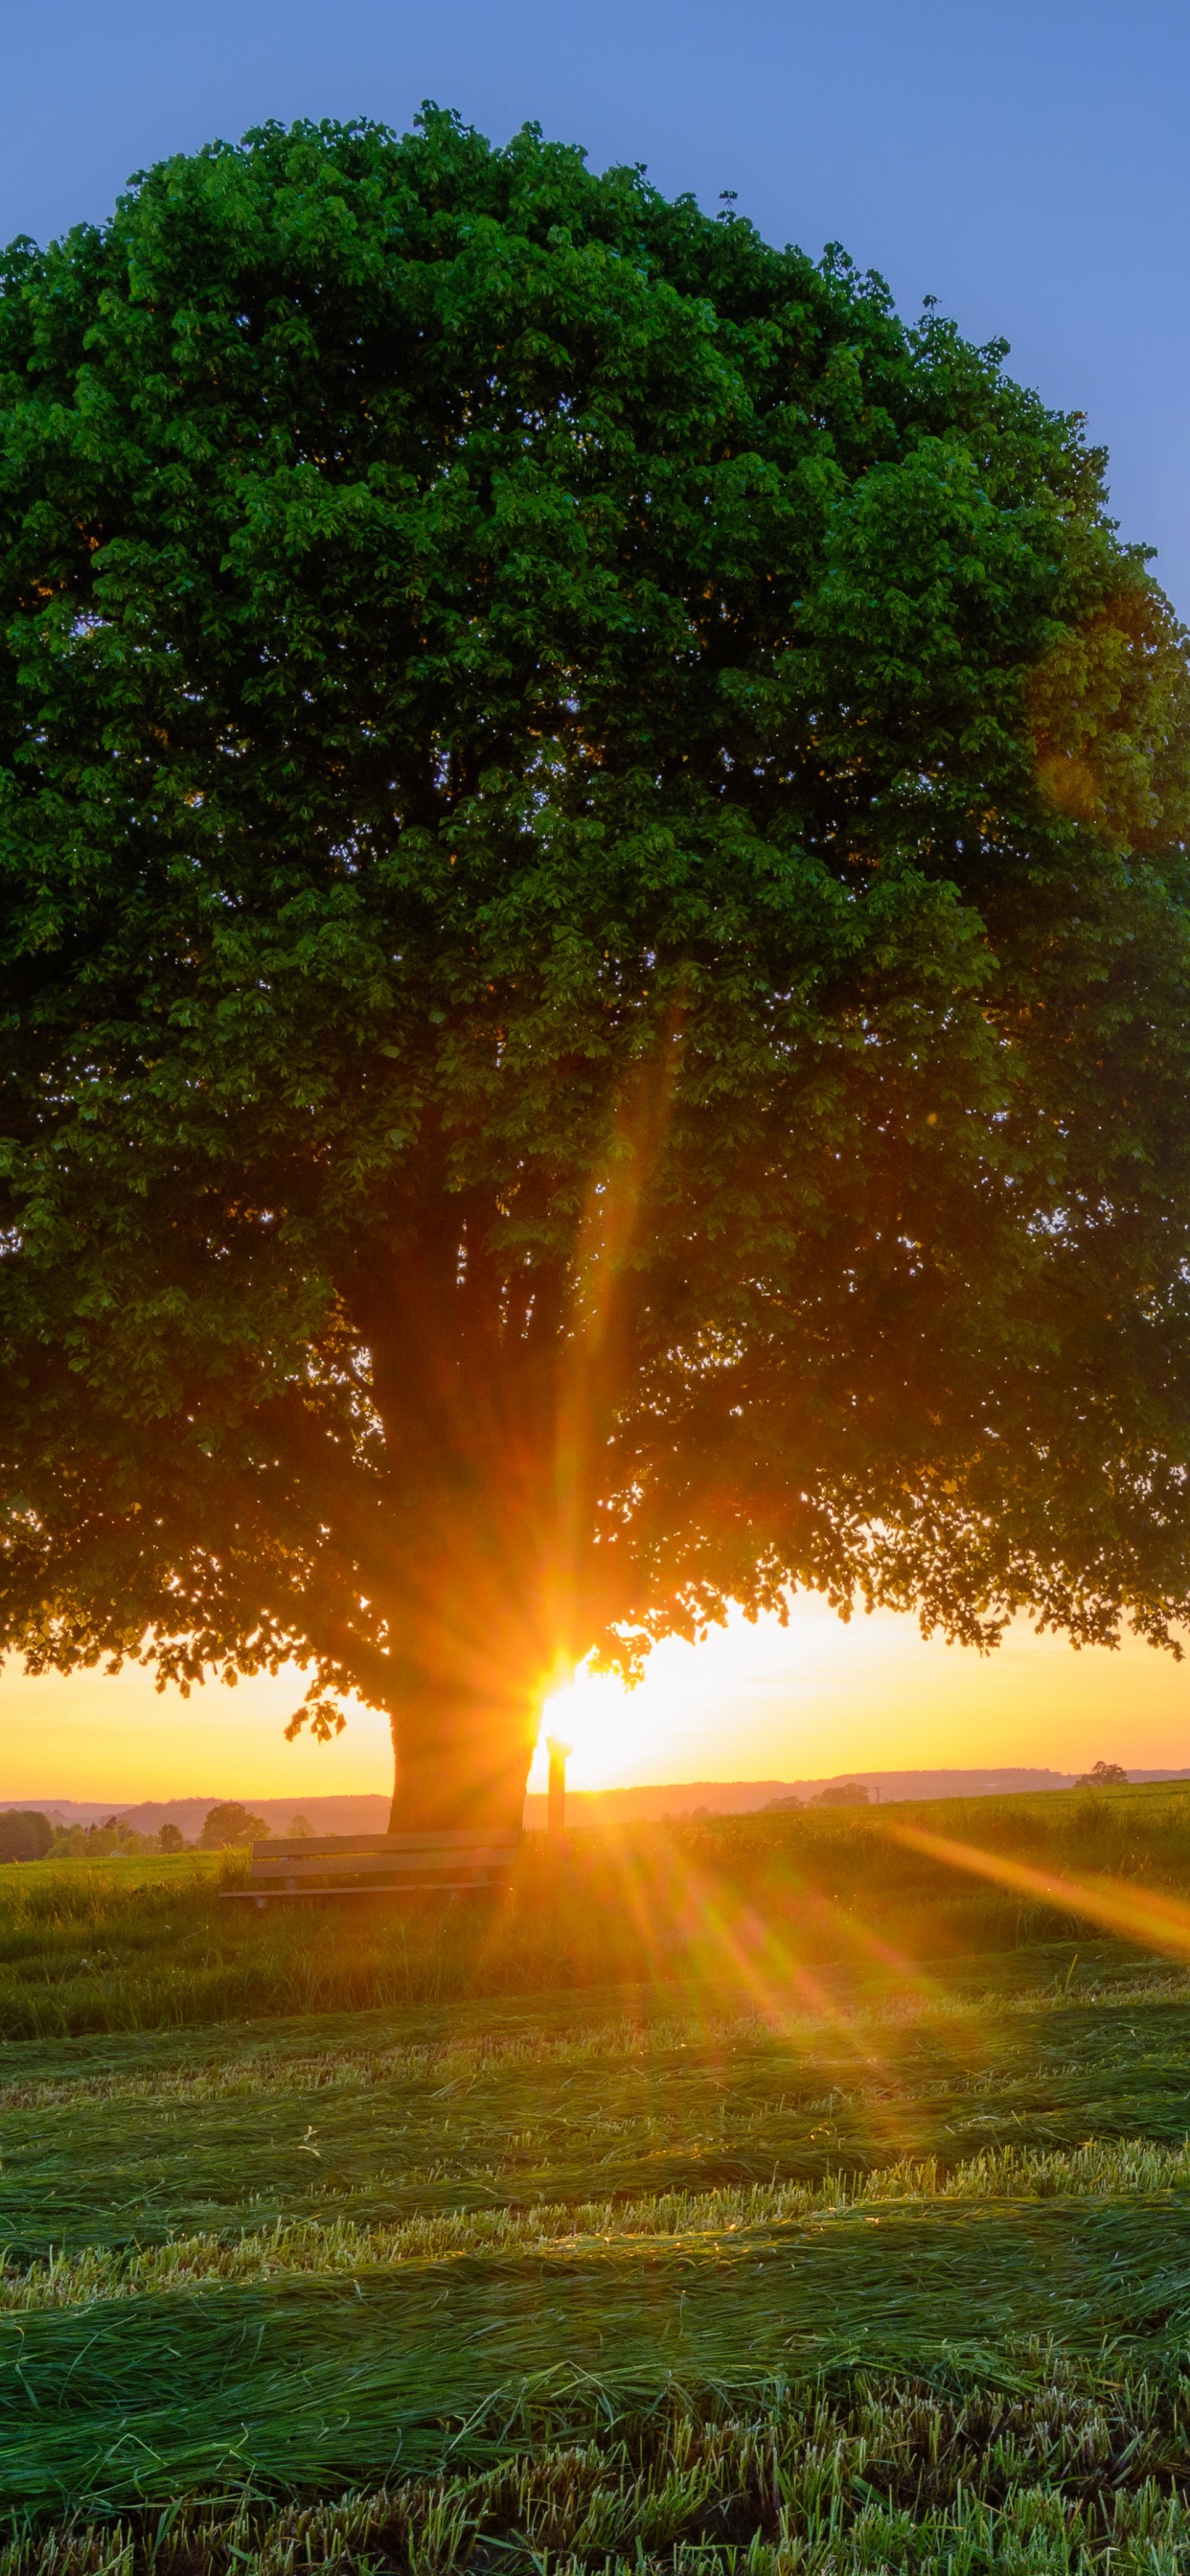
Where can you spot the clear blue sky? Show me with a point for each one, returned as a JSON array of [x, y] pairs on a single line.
[[1025, 161]]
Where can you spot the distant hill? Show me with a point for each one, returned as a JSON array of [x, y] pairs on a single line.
[[358, 1815], [368, 1814], [744, 1797]]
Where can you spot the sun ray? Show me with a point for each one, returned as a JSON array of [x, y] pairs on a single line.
[[1139, 1913]]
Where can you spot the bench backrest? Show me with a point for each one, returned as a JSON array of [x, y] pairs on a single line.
[[450, 1838], [450, 1857]]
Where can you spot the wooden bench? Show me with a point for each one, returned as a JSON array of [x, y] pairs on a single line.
[[317, 1867]]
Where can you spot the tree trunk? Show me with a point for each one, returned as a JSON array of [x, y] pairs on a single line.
[[461, 1760]]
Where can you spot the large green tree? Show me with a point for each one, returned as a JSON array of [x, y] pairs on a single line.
[[593, 949]]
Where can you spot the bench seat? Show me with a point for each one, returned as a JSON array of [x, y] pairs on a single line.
[[454, 1862]]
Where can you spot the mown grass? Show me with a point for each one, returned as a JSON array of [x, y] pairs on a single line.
[[308, 2384], [1047, 2468], [689, 2222], [786, 2247], [390, 2121], [333, 2346]]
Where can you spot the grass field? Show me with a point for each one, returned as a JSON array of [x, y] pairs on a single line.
[[757, 1902], [787, 2245]]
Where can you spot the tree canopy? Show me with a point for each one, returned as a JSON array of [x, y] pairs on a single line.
[[227, 1825], [593, 949], [25, 1834]]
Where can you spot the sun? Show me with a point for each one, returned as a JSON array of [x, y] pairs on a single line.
[[603, 1723], [673, 1720]]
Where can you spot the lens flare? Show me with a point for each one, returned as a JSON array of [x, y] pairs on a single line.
[[1138, 1913]]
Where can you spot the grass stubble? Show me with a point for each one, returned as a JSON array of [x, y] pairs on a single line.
[[1103, 2171], [1044, 2468], [869, 2263]]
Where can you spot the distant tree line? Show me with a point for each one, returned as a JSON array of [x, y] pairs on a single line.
[[27, 1834]]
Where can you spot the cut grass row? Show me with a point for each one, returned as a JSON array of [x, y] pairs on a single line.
[[1102, 2170], [1046, 2468], [313, 2385], [684, 2104], [619, 2228], [372, 2049]]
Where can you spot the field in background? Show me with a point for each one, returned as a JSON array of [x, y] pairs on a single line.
[[755, 1901], [768, 2195], [361, 1813]]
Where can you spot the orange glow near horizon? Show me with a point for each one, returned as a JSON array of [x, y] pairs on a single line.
[[821, 1697], [752, 1702]]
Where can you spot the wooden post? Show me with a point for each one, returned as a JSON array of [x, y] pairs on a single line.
[[557, 1807]]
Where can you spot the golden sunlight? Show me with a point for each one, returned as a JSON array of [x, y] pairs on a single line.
[[671, 1726], [600, 1721], [749, 1703]]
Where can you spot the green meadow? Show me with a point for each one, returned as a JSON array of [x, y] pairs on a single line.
[[761, 2193], [151, 1943]]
